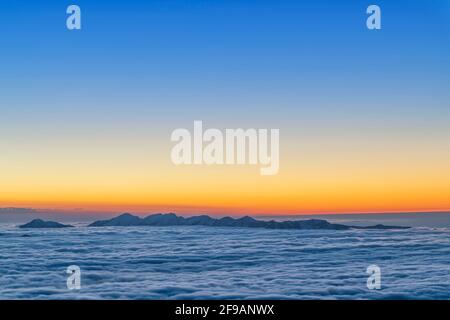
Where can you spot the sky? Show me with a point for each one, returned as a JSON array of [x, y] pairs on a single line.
[[86, 115]]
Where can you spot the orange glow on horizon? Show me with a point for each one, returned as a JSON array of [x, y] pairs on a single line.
[[403, 174], [80, 207]]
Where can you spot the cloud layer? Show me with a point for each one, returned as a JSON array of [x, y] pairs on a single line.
[[194, 262]]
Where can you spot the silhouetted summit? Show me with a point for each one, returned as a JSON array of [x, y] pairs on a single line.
[[171, 219], [38, 223]]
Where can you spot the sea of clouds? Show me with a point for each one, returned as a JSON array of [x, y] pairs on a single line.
[[194, 262]]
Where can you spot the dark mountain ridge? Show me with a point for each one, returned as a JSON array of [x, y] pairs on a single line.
[[38, 224], [171, 219]]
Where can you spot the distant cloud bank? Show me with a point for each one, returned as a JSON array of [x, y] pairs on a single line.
[[13, 210]]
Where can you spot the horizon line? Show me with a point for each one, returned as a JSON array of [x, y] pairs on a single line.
[[88, 211]]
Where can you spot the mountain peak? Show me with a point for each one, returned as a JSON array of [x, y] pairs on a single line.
[[39, 223], [171, 219]]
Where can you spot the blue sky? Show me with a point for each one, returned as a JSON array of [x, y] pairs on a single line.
[[139, 69], [191, 55]]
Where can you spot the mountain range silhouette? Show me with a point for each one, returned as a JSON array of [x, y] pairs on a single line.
[[171, 219]]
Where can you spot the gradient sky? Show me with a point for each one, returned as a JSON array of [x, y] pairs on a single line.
[[364, 116]]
